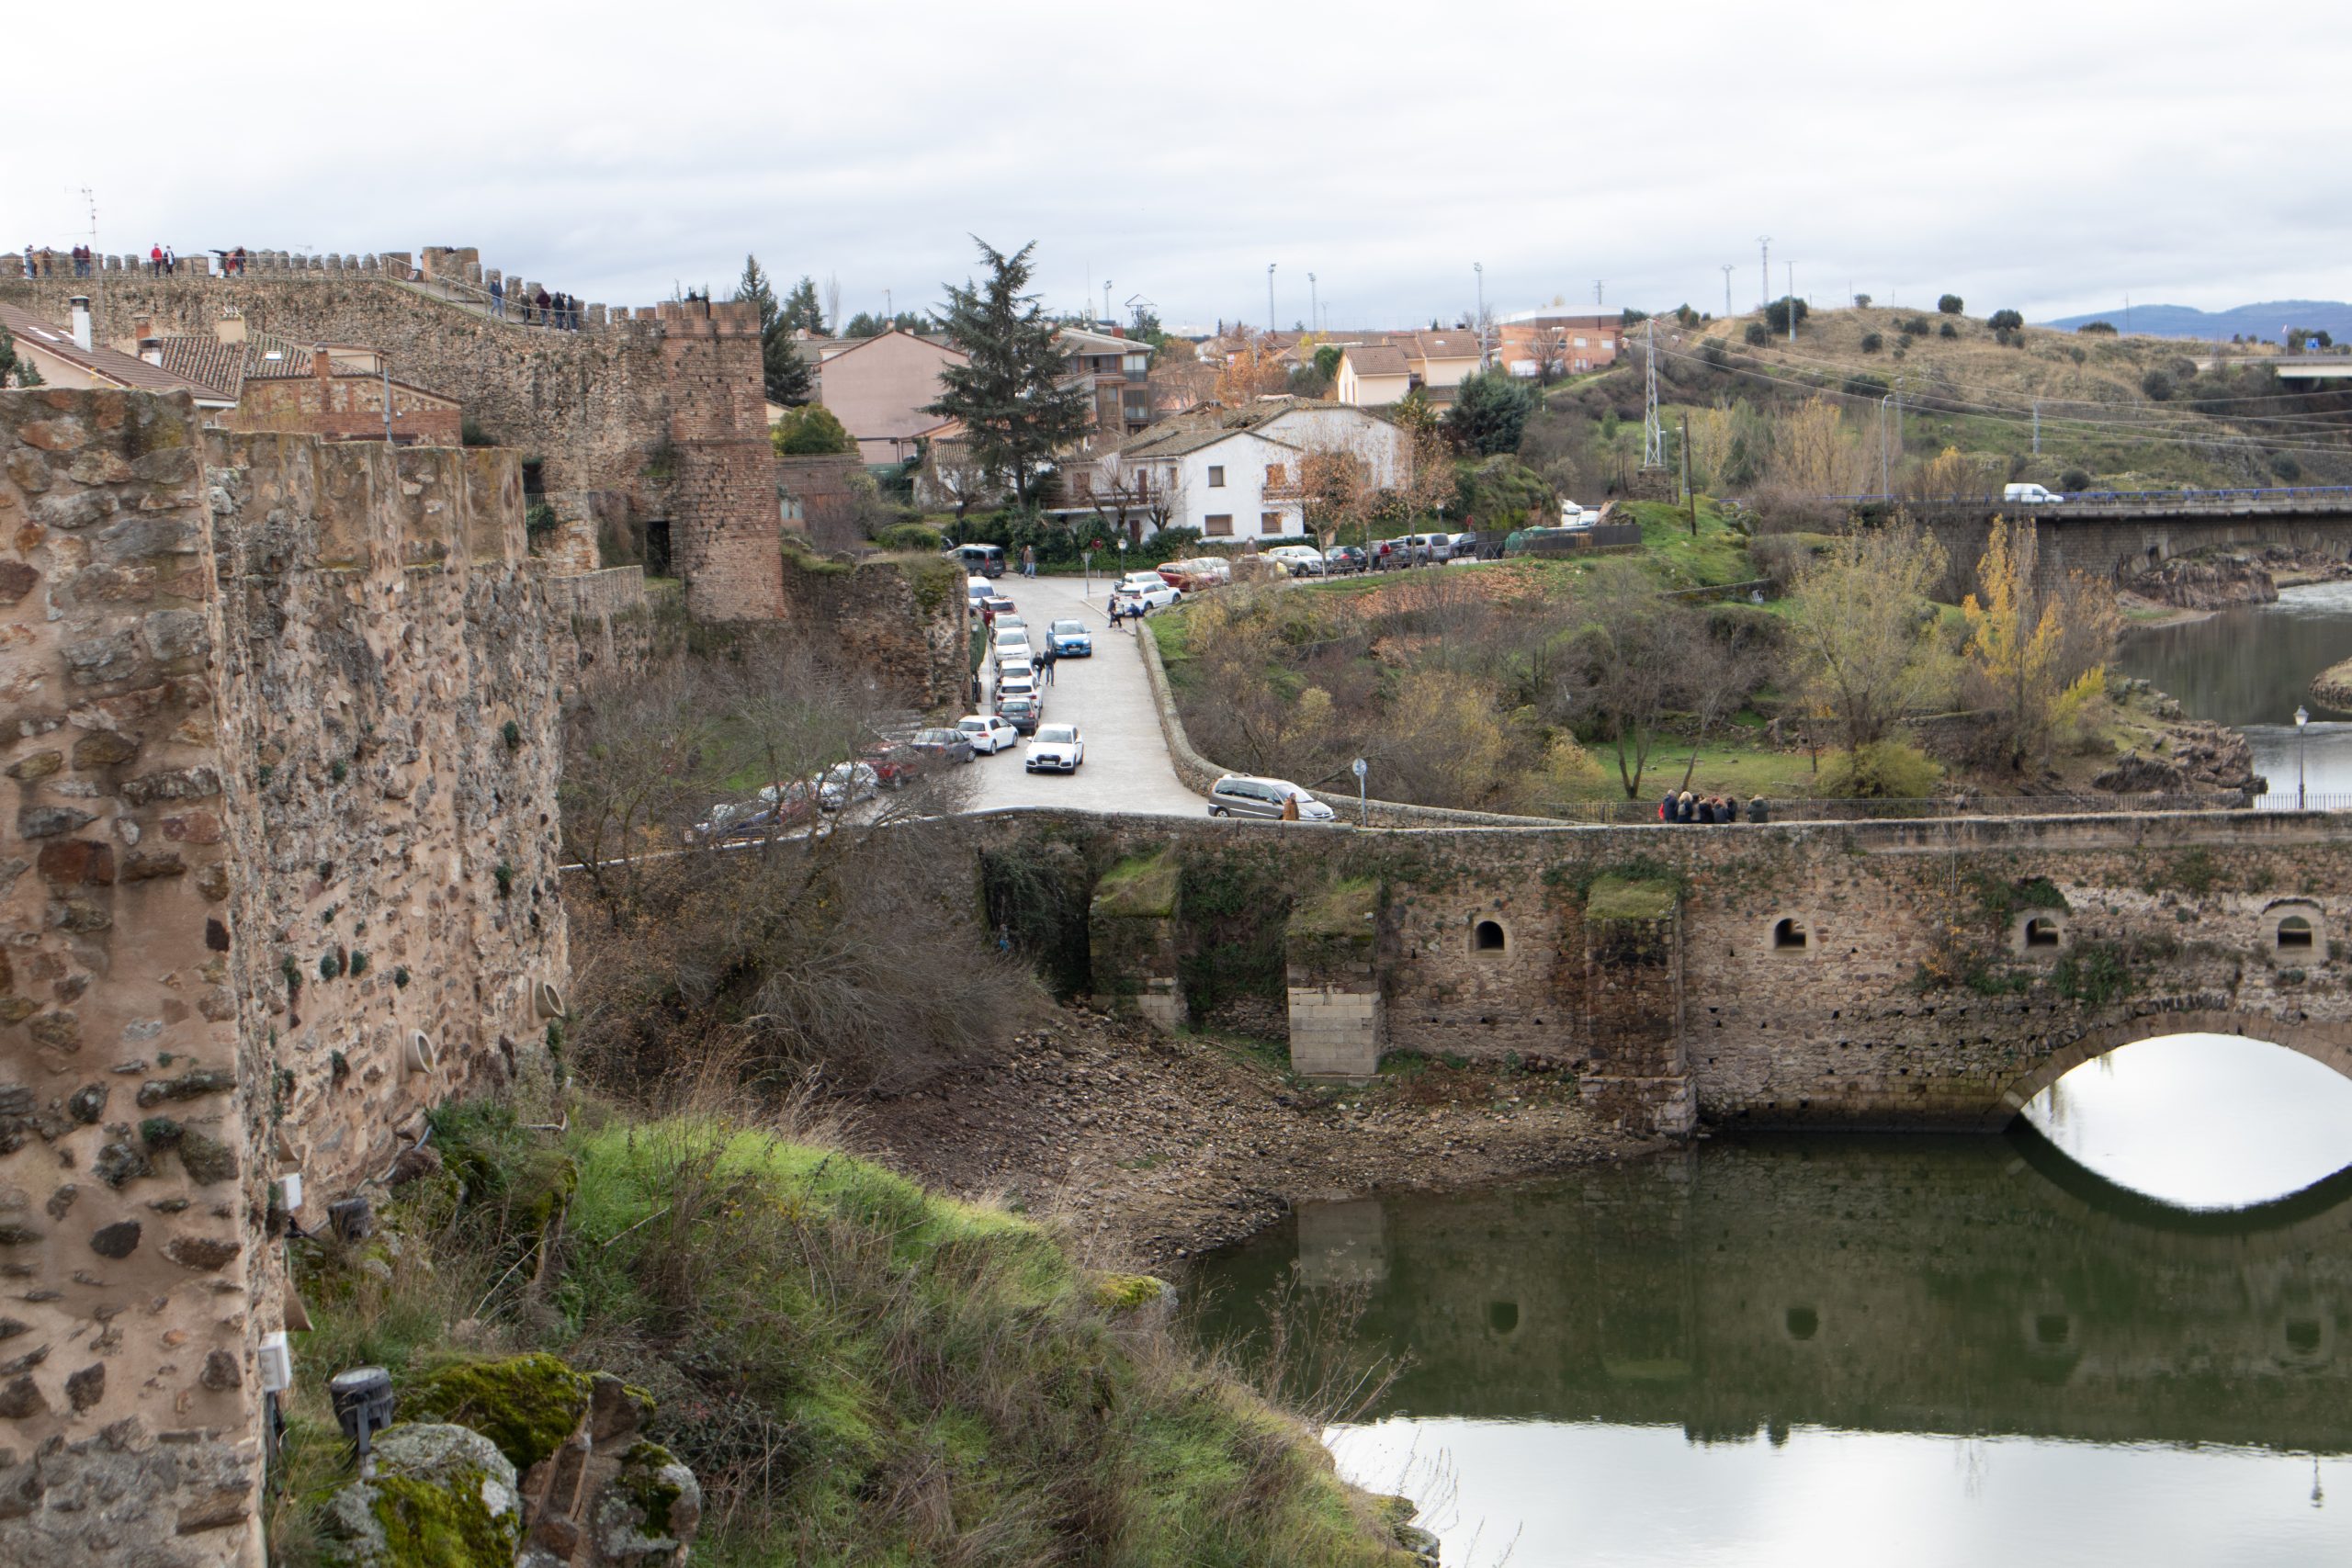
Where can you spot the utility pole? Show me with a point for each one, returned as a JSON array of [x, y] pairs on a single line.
[[1480, 269], [97, 272], [1728, 272], [1793, 304], [1313, 310], [1885, 487], [1270, 297], [1597, 285], [1765, 243], [890, 306], [1690, 496], [2036, 428], [1653, 433], [1106, 302]]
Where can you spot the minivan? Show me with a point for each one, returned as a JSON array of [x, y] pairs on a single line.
[[1238, 794], [979, 560], [2032, 495]]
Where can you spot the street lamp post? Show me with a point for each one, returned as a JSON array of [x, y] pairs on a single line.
[[1364, 808], [2303, 720], [1270, 297], [1480, 269]]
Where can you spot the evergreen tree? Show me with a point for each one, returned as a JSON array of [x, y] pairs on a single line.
[[801, 311], [1011, 396], [13, 369], [1490, 411], [787, 376]]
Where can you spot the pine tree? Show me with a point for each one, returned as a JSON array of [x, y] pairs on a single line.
[[787, 376], [801, 311], [12, 368], [1012, 397]]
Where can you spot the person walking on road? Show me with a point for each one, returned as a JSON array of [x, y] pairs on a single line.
[[1045, 657], [1028, 560]]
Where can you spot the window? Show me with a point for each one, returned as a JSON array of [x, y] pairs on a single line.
[[2041, 930], [1486, 937], [1270, 522], [1216, 476], [1276, 474], [1217, 525], [1789, 936], [2294, 931]]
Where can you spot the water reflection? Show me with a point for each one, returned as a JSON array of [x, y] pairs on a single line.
[[2202, 1120], [1916, 1349], [2250, 666]]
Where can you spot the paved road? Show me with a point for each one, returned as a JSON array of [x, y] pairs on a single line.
[[1127, 766]]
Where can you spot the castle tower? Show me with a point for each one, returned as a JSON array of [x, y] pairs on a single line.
[[724, 520]]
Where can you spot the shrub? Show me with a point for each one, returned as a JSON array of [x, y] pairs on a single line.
[[2005, 321], [910, 537], [1873, 342], [1949, 305], [1861, 301], [809, 431], [538, 520], [1758, 334], [1914, 326], [2097, 329], [2157, 386], [1947, 330], [1862, 384], [2075, 480], [1776, 314], [1882, 769]]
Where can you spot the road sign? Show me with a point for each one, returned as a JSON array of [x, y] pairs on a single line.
[[1358, 768]]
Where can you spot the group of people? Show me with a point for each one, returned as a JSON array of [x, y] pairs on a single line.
[[162, 260], [1123, 608], [1682, 806], [539, 308]]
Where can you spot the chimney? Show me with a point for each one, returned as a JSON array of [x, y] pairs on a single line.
[[322, 365], [81, 304], [230, 328], [150, 349]]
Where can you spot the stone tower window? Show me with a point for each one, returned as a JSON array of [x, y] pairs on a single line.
[[2294, 931], [1789, 935], [2041, 930], [1487, 937]]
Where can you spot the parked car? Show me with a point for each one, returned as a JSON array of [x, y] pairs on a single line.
[[1303, 560], [998, 605], [1008, 622], [1020, 681], [1434, 549], [1343, 558], [1239, 795], [777, 809], [1022, 713], [1265, 568], [976, 592], [1476, 547], [1197, 573], [1137, 581], [980, 560], [2032, 495], [1070, 639], [846, 783], [1055, 750], [894, 762], [934, 747], [987, 732], [1010, 646], [1160, 596]]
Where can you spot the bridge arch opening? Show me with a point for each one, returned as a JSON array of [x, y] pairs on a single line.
[[2200, 1119]]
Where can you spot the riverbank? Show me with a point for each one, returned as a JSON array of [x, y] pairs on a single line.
[[2332, 687], [1159, 1147]]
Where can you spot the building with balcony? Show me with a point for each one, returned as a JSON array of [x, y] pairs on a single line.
[[1118, 368]]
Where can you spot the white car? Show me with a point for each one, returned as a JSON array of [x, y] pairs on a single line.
[[987, 732], [1012, 647], [1159, 597], [1022, 683], [844, 784], [1303, 560], [1137, 581], [1055, 750]]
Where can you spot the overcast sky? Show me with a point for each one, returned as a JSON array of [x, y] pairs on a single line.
[[2049, 157]]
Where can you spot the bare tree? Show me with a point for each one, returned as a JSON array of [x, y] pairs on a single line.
[[833, 303], [1864, 631], [1550, 348]]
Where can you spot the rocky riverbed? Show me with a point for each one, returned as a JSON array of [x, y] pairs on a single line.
[[1161, 1147], [2214, 579]]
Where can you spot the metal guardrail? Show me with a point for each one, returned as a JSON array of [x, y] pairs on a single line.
[[1630, 813], [2258, 495]]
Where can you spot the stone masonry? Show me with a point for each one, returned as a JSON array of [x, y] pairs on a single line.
[[1862, 975], [655, 415], [278, 733]]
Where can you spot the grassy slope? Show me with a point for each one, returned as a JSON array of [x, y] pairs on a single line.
[[862, 1373]]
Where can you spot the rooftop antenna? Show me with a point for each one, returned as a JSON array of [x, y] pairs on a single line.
[[1270, 297]]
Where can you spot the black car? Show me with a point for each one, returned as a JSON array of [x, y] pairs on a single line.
[[1022, 713]]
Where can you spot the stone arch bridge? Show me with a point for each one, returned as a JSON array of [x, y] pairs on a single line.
[[1895, 975]]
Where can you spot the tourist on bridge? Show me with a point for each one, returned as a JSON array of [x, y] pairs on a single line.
[[498, 299], [541, 306]]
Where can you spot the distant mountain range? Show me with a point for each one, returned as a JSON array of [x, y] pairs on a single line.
[[2267, 322]]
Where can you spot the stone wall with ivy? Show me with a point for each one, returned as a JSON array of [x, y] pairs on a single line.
[[277, 722]]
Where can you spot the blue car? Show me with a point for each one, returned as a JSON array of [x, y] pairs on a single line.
[[1070, 639]]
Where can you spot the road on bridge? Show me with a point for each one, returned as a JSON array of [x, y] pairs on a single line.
[[1108, 697]]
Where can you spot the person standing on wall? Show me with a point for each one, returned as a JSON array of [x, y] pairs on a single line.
[[498, 299], [155, 260]]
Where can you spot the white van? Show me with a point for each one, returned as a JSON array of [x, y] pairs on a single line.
[[2032, 495]]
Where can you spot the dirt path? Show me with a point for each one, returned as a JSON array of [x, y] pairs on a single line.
[[1165, 1146]]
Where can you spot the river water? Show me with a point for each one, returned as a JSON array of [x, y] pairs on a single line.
[[2121, 1332]]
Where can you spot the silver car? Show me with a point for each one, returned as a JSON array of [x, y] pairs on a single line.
[[1238, 794]]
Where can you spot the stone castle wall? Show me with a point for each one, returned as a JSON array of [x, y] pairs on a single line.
[[658, 414], [904, 622], [277, 720]]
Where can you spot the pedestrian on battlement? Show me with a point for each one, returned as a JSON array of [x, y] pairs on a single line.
[[497, 298], [155, 260], [171, 262], [542, 305]]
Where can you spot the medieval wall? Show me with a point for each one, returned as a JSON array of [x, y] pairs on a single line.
[[657, 414], [903, 623], [278, 722]]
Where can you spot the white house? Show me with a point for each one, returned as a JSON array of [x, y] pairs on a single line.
[[1234, 473]]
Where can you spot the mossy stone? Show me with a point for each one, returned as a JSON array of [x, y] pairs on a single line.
[[526, 1404], [441, 1497]]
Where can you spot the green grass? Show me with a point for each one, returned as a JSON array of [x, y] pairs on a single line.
[[1626, 898], [1716, 555], [1142, 885], [859, 1370]]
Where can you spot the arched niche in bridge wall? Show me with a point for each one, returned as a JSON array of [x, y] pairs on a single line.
[[2328, 1043], [2293, 928], [2040, 933]]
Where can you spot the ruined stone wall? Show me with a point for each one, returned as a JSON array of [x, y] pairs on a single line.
[[279, 723], [820, 494], [658, 414], [602, 623], [904, 622], [2103, 548]]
